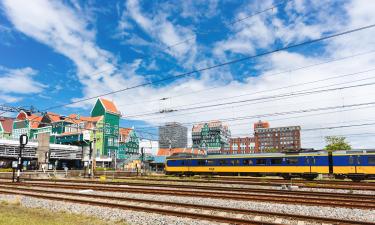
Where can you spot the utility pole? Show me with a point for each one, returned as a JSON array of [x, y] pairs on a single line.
[[142, 159], [23, 141]]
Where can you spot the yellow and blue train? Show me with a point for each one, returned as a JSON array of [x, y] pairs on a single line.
[[354, 164]]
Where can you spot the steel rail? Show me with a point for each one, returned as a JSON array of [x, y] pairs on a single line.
[[205, 207], [291, 199], [201, 216], [216, 188]]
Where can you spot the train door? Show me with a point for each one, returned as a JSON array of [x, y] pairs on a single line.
[[330, 162], [355, 160], [310, 162]]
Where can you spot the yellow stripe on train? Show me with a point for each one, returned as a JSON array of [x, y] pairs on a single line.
[[250, 169]]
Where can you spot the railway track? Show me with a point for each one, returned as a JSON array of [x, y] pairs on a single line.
[[223, 211], [228, 189], [323, 199], [368, 186]]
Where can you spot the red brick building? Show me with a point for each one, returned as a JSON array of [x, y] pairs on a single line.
[[266, 139], [240, 145], [278, 138]]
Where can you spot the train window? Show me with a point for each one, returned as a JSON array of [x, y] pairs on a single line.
[[371, 160], [291, 161], [276, 161], [358, 160], [307, 160], [247, 162], [210, 162], [222, 162], [235, 162], [351, 160], [261, 161], [201, 162]]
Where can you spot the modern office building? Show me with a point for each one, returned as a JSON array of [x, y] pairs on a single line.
[[172, 135]]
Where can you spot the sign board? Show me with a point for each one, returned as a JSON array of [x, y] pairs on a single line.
[[50, 166], [86, 135], [14, 164]]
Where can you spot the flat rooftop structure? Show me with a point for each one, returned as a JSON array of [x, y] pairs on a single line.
[[10, 149]]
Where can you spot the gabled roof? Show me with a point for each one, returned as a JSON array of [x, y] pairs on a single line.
[[7, 124], [35, 120], [75, 118], [54, 117], [124, 132], [109, 106]]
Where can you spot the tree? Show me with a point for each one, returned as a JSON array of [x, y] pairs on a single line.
[[271, 150], [337, 143]]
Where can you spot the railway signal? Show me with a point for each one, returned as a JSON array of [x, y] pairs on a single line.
[[23, 141]]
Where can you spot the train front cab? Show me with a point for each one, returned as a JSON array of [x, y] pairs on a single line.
[[355, 165]]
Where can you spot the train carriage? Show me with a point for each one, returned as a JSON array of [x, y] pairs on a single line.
[[356, 165]]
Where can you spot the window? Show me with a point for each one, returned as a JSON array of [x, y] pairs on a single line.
[[247, 162], [276, 161], [201, 162], [234, 162], [371, 160], [110, 141], [291, 161], [222, 162], [351, 160], [261, 161], [210, 162]]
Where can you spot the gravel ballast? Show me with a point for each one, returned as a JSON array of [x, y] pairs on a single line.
[[320, 211], [127, 216]]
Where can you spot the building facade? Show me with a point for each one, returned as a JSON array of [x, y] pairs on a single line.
[[6, 125], [241, 145], [278, 139], [173, 135], [106, 133], [212, 137], [128, 143]]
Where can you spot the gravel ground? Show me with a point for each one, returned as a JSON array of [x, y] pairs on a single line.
[[293, 188], [331, 212], [128, 216]]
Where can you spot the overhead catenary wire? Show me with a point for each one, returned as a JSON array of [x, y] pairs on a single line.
[[261, 98], [219, 65], [268, 75], [228, 119]]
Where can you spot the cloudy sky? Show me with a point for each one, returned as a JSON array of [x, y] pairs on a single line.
[[57, 52]]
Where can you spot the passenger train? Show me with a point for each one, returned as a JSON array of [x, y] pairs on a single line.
[[353, 164]]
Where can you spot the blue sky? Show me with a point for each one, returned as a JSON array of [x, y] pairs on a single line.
[[56, 52]]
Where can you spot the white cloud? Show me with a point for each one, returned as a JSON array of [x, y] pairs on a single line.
[[18, 81]]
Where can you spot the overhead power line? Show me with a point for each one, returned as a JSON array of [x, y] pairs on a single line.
[[219, 65], [268, 75], [296, 93], [278, 113]]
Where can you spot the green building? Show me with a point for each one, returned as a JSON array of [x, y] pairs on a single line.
[[213, 136], [128, 143], [107, 130]]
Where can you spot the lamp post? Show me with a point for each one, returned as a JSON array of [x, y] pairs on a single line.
[[23, 141]]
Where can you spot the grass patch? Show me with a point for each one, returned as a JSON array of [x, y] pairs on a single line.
[[13, 213]]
